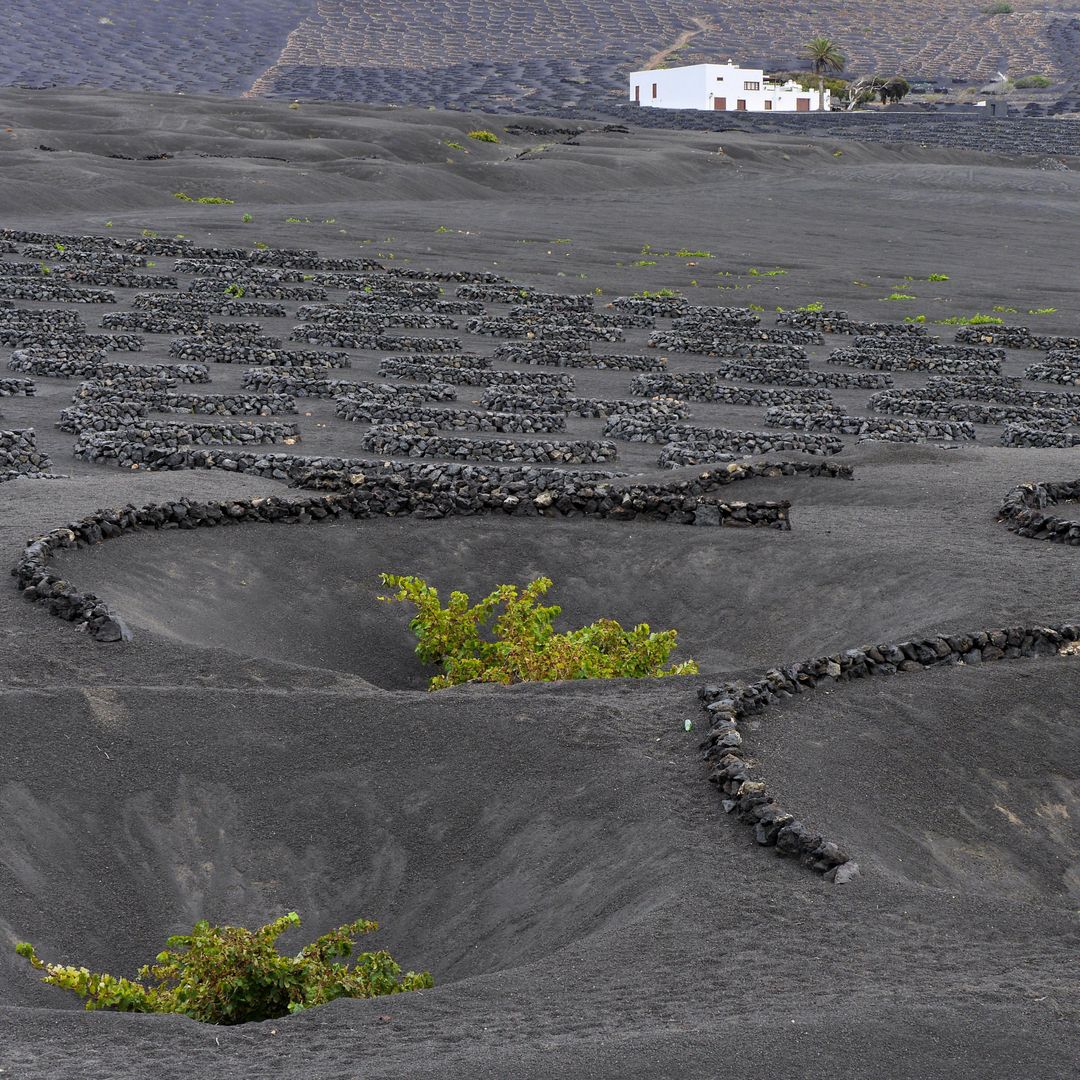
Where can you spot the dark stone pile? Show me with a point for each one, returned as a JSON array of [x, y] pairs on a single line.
[[259, 290], [15, 387], [314, 383], [542, 354], [19, 455], [732, 345], [933, 358], [97, 367], [1023, 508], [1030, 435], [47, 292], [1006, 392], [189, 306], [190, 327], [354, 339], [689, 445], [433, 370]]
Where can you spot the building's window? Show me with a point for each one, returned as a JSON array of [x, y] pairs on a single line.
[[768, 106], [654, 89], [719, 78], [751, 86]]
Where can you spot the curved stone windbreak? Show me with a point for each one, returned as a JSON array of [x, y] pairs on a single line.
[[188, 305], [546, 356], [874, 427], [1022, 511], [547, 329], [19, 289], [875, 360], [896, 401], [1029, 435], [229, 352], [102, 369], [733, 346], [191, 327], [366, 411], [432, 370], [1064, 374], [260, 290], [391, 489], [1014, 337], [729, 704], [315, 383], [411, 439], [15, 387]]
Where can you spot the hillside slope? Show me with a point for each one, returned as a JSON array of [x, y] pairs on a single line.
[[540, 55]]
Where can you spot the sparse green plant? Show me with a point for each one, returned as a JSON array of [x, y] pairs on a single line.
[[234, 290], [937, 277], [149, 234], [1002, 309], [59, 248], [247, 219], [644, 262], [108, 224], [443, 229], [44, 269], [204, 200], [1033, 82], [231, 975], [776, 271], [915, 318], [977, 319], [294, 105], [524, 646], [1042, 311], [1000, 8], [295, 221], [483, 136], [262, 245], [755, 307], [686, 253], [455, 146], [817, 305], [896, 296]]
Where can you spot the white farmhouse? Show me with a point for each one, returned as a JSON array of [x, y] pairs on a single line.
[[720, 87]]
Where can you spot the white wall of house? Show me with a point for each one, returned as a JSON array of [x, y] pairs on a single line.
[[719, 87]]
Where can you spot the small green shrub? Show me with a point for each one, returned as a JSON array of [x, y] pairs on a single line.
[[230, 975], [1000, 8], [776, 271], [484, 136], [1005, 310], [644, 262], [971, 320], [234, 290], [659, 294], [686, 253], [817, 305], [525, 646], [899, 296], [1042, 311], [204, 200], [455, 146], [915, 318], [937, 277], [247, 219], [1033, 82]]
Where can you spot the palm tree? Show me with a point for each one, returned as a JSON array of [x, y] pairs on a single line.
[[823, 56]]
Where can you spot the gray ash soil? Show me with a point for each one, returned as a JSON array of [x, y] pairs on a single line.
[[553, 854]]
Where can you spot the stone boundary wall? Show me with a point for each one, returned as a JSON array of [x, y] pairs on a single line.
[[1059, 373], [149, 444], [366, 411], [1028, 435], [349, 339], [555, 357], [112, 279], [200, 329], [943, 388], [57, 344], [908, 347], [363, 304], [659, 427], [102, 369], [96, 366], [1014, 337], [19, 454], [877, 427], [188, 305], [313, 383], [386, 287], [548, 330], [483, 277], [530, 313], [66, 323], [462, 361], [408, 439], [406, 368], [725, 347], [495, 294], [728, 705], [357, 318], [15, 387], [879, 361], [895, 401], [44, 252], [20, 289], [838, 322], [659, 307], [161, 396], [711, 386], [424, 490], [260, 290], [228, 352]]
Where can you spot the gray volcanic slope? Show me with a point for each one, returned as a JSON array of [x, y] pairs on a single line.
[[553, 854]]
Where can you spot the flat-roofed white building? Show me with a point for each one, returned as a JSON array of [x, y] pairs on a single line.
[[720, 87]]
